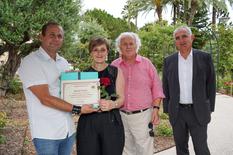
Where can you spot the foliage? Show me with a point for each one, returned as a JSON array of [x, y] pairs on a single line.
[[97, 23], [225, 40], [133, 7], [164, 129], [104, 94], [164, 116], [157, 43], [130, 12], [15, 86], [201, 18], [79, 57], [87, 30], [200, 38], [225, 85], [113, 26], [3, 121], [2, 139], [21, 21]]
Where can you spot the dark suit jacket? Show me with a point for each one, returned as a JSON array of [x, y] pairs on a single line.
[[203, 86]]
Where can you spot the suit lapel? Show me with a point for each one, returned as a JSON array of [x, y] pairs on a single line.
[[195, 65], [195, 68], [176, 68]]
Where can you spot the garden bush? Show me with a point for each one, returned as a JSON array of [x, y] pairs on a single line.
[[3, 121], [164, 129]]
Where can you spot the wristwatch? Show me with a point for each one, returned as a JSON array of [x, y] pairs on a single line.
[[156, 107], [76, 109]]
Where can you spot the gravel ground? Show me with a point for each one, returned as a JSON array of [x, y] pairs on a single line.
[[17, 133]]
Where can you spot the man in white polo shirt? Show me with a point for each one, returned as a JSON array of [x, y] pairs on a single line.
[[50, 117]]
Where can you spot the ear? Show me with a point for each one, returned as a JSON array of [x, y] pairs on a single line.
[[192, 37]]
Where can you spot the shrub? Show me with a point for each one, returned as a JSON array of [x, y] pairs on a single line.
[[164, 116], [2, 139], [164, 130], [3, 121], [15, 86], [225, 85]]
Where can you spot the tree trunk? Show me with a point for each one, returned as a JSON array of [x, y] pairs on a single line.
[[214, 12], [193, 10], [186, 11], [174, 13], [9, 69], [178, 11], [159, 13]]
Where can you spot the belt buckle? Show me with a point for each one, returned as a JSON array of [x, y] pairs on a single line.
[[186, 105], [129, 112]]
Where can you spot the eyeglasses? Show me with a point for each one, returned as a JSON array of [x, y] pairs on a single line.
[[102, 50], [151, 132]]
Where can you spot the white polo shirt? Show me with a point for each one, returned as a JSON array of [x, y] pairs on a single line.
[[39, 68]]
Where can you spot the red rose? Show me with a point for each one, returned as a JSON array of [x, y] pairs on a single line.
[[105, 81]]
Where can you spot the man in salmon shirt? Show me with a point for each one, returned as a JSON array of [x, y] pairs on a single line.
[[143, 94]]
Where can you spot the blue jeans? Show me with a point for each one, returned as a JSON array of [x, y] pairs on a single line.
[[54, 147]]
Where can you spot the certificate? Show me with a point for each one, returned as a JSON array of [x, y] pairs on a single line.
[[79, 92]]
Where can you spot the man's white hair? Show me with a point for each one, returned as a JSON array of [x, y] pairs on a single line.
[[187, 29], [128, 34]]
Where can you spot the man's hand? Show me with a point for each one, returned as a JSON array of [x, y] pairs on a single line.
[[155, 117], [87, 108]]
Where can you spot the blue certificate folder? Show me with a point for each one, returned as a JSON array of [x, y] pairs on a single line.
[[79, 75]]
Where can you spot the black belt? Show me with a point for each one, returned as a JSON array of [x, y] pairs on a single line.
[[133, 112], [186, 105]]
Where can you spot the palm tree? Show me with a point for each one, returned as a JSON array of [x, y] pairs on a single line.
[[190, 8], [130, 12], [176, 9], [133, 7], [218, 6]]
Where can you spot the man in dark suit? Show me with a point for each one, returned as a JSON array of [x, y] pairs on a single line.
[[189, 88]]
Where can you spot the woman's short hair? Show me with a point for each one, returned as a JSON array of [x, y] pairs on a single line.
[[128, 34], [96, 41]]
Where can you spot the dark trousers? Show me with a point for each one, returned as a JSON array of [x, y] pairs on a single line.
[[187, 124], [100, 134]]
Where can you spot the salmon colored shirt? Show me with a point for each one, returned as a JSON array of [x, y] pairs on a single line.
[[142, 83]]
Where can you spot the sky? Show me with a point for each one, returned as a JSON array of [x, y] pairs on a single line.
[[115, 7]]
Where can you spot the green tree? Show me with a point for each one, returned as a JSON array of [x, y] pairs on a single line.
[[199, 25], [111, 25], [21, 21], [201, 19], [79, 57], [129, 12], [218, 6], [133, 7], [157, 43], [114, 26], [187, 10], [225, 40]]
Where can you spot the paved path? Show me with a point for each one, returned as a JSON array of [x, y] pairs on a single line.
[[220, 129]]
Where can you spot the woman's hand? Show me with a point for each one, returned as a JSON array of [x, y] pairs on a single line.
[[106, 105]]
